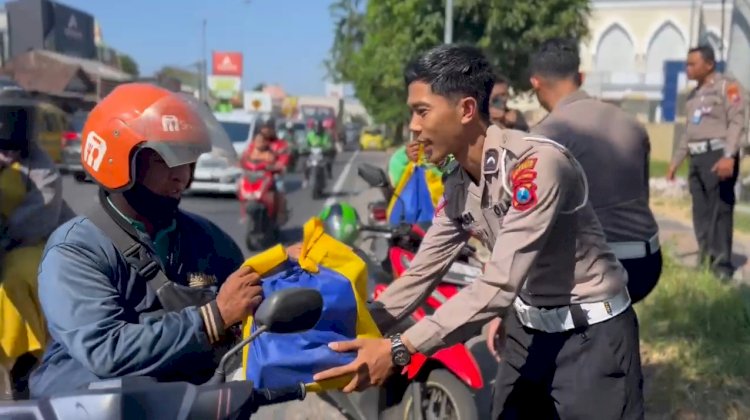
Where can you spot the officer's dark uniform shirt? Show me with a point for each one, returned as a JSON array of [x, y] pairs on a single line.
[[613, 148]]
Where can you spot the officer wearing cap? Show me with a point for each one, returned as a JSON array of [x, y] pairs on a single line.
[[715, 128], [613, 148], [573, 335]]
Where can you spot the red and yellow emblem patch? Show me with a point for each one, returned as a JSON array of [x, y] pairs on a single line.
[[733, 93], [524, 188]]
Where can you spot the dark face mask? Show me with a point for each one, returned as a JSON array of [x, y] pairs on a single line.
[[157, 209]]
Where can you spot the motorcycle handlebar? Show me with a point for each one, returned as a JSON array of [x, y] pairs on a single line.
[[266, 396]]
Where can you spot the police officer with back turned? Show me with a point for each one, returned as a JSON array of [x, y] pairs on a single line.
[[715, 127], [613, 148]]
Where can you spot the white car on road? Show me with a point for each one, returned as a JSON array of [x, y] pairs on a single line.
[[219, 174]]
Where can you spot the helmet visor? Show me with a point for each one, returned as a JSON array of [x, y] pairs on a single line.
[[180, 130]]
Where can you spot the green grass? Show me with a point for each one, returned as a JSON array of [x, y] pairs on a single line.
[[658, 169], [695, 337]]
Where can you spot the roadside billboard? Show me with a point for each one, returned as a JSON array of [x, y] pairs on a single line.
[[227, 63], [42, 24], [73, 32]]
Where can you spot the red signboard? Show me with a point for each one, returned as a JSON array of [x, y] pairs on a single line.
[[227, 63]]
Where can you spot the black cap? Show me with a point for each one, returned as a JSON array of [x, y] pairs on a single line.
[[16, 126]]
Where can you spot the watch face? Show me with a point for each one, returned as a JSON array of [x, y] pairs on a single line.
[[401, 357]]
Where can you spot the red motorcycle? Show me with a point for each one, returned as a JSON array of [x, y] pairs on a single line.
[[258, 198], [445, 382]]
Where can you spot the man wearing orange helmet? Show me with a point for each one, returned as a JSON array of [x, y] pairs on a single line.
[[129, 289]]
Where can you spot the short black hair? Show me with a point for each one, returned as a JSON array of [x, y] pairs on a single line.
[[556, 58], [452, 70], [706, 51]]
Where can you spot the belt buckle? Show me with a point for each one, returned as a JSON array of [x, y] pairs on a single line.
[[698, 148]]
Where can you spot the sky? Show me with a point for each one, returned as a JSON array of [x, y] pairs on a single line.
[[283, 41]]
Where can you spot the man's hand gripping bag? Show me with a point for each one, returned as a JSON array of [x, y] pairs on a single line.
[[332, 268]]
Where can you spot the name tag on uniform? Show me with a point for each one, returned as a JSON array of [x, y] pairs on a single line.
[[697, 115]]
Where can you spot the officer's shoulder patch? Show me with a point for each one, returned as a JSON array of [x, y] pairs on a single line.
[[733, 92], [523, 179], [491, 159]]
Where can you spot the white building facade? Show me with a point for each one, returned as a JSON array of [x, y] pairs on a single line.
[[630, 40]]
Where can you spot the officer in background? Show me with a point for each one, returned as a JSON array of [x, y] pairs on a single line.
[[499, 112], [715, 112], [613, 148], [573, 335]]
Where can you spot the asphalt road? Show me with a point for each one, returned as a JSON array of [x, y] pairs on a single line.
[[225, 212]]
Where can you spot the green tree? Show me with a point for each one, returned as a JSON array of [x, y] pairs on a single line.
[[371, 47], [186, 77], [513, 29], [128, 65], [259, 87]]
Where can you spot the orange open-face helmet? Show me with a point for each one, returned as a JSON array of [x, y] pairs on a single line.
[[140, 115]]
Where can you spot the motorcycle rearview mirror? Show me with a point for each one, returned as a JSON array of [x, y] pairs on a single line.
[[374, 176], [290, 311], [284, 312]]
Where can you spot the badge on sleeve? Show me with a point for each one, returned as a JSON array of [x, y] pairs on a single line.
[[524, 187], [733, 93]]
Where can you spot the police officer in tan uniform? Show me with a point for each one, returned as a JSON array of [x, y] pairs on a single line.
[[613, 148], [551, 275], [713, 135]]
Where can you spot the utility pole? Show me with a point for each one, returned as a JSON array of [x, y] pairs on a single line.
[[448, 34], [721, 45], [691, 42], [203, 66]]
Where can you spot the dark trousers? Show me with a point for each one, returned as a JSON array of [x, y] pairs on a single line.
[[592, 372], [643, 274], [713, 211]]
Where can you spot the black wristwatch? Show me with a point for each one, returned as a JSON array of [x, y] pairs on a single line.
[[399, 353]]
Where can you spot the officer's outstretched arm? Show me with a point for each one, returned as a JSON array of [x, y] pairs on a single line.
[[83, 311], [540, 193], [441, 244]]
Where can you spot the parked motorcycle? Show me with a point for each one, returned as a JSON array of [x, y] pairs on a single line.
[[315, 168], [287, 311], [257, 193]]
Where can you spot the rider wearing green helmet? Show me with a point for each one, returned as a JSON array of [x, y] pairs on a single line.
[[341, 221]]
